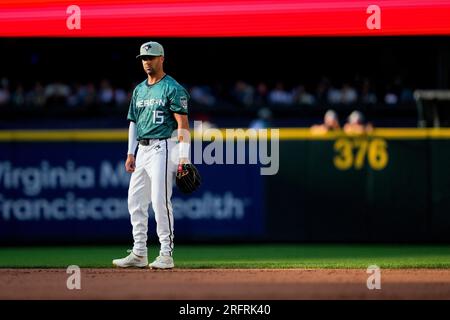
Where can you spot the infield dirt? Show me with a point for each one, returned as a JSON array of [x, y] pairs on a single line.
[[204, 284]]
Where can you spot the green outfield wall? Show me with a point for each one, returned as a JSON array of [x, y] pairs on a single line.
[[392, 185]]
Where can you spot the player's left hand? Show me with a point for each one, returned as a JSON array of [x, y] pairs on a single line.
[[183, 161], [188, 178]]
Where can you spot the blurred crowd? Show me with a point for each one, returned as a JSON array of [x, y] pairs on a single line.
[[355, 123], [240, 94], [62, 94], [326, 92]]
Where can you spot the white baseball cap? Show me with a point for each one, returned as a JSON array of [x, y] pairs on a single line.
[[356, 117], [151, 48], [331, 114]]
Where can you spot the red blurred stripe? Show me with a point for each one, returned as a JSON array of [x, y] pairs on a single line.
[[177, 18]]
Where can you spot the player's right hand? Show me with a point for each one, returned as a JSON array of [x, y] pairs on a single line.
[[130, 164]]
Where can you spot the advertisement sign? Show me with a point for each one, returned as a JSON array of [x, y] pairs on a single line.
[[52, 191]]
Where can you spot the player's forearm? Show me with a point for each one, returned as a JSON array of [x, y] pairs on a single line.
[[132, 138], [183, 134], [184, 137]]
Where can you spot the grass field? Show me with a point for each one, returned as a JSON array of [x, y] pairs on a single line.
[[240, 256]]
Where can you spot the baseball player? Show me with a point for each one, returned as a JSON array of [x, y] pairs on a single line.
[[159, 106]]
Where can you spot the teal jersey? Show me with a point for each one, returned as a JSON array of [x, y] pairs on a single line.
[[152, 107]]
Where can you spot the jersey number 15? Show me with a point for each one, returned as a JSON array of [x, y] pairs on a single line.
[[158, 116]]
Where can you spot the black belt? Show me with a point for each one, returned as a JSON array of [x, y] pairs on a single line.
[[146, 142]]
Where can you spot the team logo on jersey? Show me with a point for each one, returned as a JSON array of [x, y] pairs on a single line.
[[184, 102]]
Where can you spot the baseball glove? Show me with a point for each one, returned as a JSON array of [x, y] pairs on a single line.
[[188, 178]]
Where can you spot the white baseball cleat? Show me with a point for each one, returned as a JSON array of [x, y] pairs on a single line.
[[162, 262], [131, 260]]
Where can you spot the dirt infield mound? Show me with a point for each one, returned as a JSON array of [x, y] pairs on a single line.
[[252, 284]]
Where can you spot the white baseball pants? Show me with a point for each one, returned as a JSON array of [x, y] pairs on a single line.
[[152, 182]]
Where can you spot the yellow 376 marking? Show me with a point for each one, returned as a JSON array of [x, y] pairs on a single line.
[[353, 152]]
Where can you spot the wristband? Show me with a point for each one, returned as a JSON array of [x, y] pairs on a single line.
[[184, 149]]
